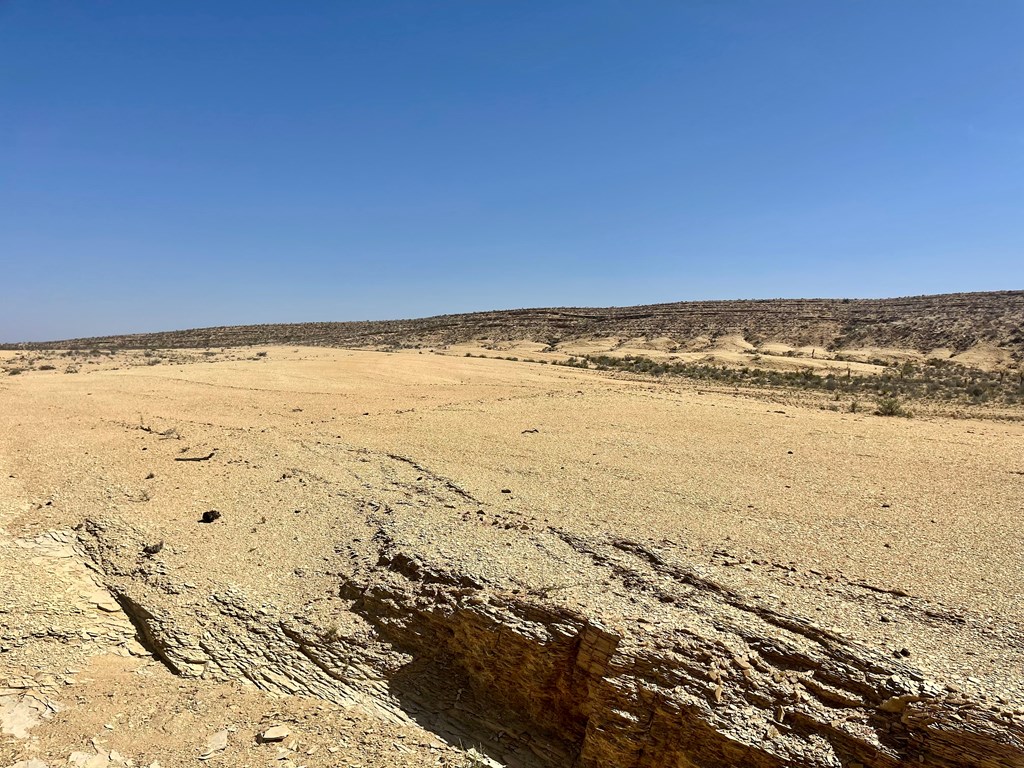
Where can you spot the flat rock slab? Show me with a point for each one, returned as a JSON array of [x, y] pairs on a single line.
[[276, 733], [217, 742]]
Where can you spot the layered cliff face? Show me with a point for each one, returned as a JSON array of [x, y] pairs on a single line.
[[555, 569], [956, 322], [701, 677]]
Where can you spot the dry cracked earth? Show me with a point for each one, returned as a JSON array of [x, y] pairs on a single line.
[[340, 558]]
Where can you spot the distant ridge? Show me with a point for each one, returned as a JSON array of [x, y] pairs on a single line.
[[955, 321]]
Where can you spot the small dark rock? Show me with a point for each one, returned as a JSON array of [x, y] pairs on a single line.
[[209, 516], [506, 490], [152, 549]]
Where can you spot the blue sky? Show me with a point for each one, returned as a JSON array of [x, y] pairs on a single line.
[[168, 165]]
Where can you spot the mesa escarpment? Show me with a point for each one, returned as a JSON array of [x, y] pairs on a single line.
[[553, 567], [955, 322]]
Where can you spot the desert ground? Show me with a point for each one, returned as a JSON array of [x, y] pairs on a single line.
[[422, 558]]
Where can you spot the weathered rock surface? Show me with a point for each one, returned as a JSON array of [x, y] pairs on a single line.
[[703, 677], [216, 742]]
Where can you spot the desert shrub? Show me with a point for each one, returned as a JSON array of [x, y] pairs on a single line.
[[891, 406], [934, 379]]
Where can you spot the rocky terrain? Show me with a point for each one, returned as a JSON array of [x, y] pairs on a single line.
[[947, 325], [326, 557]]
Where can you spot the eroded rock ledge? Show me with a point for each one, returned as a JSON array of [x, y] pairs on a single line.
[[697, 675]]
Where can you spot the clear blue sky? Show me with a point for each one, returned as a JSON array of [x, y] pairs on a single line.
[[180, 164]]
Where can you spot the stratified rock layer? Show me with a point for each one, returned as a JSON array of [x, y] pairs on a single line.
[[699, 675]]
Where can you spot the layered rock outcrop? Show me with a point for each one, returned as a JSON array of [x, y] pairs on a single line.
[[695, 675]]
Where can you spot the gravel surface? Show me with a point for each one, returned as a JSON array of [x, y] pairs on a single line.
[[903, 534]]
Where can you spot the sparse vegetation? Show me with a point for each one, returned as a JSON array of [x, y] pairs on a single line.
[[473, 759], [891, 406], [957, 321], [939, 380]]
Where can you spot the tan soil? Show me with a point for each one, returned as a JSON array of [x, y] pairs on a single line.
[[896, 534]]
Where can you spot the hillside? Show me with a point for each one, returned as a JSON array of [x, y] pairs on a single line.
[[951, 323]]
